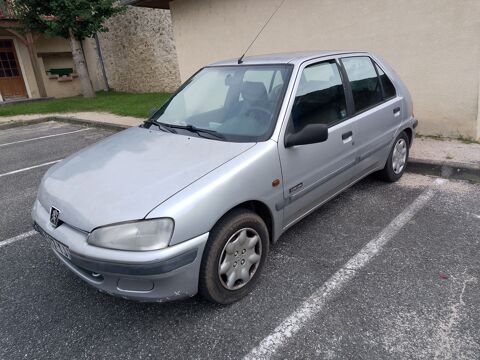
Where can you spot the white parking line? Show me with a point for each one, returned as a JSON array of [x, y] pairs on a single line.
[[333, 286], [18, 237], [44, 137], [29, 168]]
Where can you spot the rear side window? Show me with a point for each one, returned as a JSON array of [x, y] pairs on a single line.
[[320, 98], [366, 89], [388, 88]]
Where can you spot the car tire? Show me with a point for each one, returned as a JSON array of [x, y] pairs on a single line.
[[397, 159], [233, 258]]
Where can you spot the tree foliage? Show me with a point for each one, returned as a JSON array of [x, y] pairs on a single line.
[[57, 17]]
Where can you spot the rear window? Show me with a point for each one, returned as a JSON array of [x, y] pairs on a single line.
[[365, 84], [388, 88]]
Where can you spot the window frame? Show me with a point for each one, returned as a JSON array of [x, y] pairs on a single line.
[[350, 93], [315, 62], [377, 66]]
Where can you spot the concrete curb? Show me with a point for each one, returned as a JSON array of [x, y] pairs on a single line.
[[65, 119], [452, 170], [24, 101], [90, 123]]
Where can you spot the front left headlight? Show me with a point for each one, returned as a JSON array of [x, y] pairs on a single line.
[[144, 235]]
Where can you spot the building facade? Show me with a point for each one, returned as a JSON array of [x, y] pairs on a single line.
[[433, 45], [137, 54], [33, 66]]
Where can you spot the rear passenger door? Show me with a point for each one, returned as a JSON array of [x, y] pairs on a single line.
[[314, 172], [377, 111]]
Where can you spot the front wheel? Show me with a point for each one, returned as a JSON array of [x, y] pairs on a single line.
[[397, 160], [234, 257]]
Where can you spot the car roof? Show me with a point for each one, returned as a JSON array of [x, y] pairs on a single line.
[[284, 58]]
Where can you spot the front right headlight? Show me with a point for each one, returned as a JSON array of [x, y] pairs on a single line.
[[143, 235]]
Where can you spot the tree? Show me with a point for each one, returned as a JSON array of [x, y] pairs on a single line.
[[74, 20]]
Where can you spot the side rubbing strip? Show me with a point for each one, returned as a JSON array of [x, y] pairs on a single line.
[[279, 206], [306, 190], [374, 150]]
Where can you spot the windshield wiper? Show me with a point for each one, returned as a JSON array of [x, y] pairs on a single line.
[[164, 127], [194, 129], [161, 126]]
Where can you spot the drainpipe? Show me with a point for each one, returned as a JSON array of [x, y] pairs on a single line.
[[102, 64]]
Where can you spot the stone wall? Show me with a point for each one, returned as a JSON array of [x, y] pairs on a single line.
[[139, 51]]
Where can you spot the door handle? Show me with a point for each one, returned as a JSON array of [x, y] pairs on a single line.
[[347, 135], [396, 110]]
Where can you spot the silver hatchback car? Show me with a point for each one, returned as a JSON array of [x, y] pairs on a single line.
[[190, 201]]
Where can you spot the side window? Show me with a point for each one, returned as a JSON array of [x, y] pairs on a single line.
[[388, 88], [364, 82], [320, 98]]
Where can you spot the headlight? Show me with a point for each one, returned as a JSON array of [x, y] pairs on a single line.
[[141, 235]]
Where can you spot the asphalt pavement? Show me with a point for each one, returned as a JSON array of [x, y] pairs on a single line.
[[414, 294]]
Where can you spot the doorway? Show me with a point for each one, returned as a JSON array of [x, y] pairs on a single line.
[[11, 80]]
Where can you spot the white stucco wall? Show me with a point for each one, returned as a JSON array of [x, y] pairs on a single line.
[[433, 45]]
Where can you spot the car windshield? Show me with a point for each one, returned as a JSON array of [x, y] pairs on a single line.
[[232, 103]]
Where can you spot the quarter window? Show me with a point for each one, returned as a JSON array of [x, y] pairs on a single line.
[[366, 89], [388, 88], [320, 97]]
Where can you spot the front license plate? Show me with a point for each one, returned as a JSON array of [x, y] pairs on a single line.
[[56, 245], [59, 247]]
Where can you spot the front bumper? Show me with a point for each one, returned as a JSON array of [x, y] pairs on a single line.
[[160, 275]]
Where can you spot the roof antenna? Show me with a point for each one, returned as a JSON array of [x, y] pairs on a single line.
[[240, 60]]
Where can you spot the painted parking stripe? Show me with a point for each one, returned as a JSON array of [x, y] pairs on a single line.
[[333, 286], [29, 168], [44, 137], [16, 238]]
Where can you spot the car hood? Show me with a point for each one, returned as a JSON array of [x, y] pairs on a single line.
[[125, 176]]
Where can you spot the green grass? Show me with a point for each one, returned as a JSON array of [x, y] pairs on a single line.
[[464, 139], [434, 137], [120, 103], [468, 140]]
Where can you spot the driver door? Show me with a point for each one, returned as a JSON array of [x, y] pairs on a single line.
[[315, 172]]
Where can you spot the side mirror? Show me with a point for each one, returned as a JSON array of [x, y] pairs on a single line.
[[152, 112], [310, 134]]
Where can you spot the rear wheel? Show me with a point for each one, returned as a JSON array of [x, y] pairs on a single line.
[[397, 160], [234, 257]]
